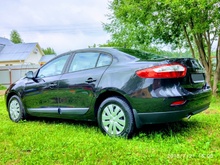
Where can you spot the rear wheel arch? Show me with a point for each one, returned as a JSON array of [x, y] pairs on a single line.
[[106, 95]]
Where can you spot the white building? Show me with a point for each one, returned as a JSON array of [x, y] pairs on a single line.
[[19, 54]]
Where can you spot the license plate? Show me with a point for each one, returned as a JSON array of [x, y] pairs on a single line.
[[198, 78]]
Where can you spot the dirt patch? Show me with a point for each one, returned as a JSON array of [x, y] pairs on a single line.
[[2, 92], [211, 111]]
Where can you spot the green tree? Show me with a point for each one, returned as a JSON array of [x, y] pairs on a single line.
[[15, 37], [48, 51], [192, 24]]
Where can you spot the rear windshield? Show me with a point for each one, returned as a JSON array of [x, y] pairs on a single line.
[[140, 54]]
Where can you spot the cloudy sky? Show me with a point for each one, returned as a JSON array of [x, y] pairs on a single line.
[[63, 25]]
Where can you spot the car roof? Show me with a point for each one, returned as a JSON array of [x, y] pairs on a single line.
[[115, 52], [123, 54]]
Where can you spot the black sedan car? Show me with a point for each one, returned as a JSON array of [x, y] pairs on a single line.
[[121, 89]]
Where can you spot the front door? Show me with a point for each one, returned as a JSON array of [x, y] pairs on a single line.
[[41, 92]]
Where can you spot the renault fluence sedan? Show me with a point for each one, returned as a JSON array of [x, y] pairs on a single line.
[[121, 89]]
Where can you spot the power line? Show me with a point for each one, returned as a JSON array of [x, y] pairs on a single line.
[[71, 28], [81, 25]]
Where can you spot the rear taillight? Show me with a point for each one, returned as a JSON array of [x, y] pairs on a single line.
[[174, 70]]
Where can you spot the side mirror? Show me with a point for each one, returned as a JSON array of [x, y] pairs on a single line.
[[30, 74]]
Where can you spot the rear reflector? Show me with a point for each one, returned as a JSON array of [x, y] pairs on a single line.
[[179, 102], [174, 70]]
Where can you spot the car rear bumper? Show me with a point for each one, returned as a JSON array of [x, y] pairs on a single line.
[[164, 117], [164, 113]]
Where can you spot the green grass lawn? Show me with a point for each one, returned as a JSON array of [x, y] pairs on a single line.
[[41, 141], [2, 87]]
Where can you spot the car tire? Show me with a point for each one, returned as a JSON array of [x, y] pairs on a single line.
[[115, 117], [16, 109]]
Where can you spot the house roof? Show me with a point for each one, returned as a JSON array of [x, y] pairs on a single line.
[[1, 47], [5, 41], [16, 52], [47, 58]]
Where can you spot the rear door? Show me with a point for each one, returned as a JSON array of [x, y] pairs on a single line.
[[78, 85]]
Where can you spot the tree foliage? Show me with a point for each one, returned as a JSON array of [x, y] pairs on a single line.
[[48, 51], [15, 37], [192, 24]]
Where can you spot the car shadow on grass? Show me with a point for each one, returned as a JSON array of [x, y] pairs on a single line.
[[168, 129], [147, 131]]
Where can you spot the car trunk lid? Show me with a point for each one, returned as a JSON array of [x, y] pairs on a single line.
[[195, 76]]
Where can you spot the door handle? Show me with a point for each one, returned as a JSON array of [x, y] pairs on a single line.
[[90, 80]]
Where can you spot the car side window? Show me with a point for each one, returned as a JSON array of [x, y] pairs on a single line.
[[82, 61], [55, 67], [104, 60]]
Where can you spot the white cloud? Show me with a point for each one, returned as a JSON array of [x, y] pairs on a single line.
[[63, 25]]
